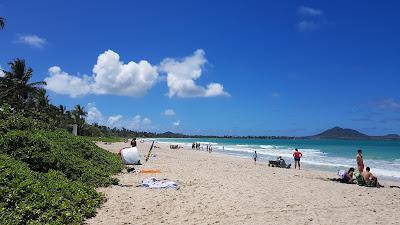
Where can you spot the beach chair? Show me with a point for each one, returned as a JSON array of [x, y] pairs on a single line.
[[279, 163], [361, 182], [360, 179], [273, 163]]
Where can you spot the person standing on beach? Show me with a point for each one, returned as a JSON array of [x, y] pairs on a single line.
[[133, 142], [297, 155], [360, 161], [255, 157]]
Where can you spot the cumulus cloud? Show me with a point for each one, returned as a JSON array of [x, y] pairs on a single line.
[[110, 76], [134, 123], [64, 83], [182, 73], [94, 115], [1, 72], [113, 76], [113, 120], [137, 123], [32, 40], [306, 25], [177, 123], [308, 11], [169, 112]]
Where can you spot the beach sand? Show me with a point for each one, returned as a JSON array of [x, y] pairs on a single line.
[[220, 189]]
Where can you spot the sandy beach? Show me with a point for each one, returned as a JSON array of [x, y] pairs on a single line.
[[220, 189]]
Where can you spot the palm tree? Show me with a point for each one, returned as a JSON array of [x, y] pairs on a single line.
[[79, 115], [2, 23], [15, 88]]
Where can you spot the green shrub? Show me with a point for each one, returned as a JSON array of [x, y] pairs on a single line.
[[104, 139], [28, 197], [77, 158]]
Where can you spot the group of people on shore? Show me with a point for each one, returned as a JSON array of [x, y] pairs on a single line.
[[197, 146], [296, 155], [365, 173], [364, 176]]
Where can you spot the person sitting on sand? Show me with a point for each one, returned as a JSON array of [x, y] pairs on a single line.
[[255, 157], [369, 178], [297, 155], [348, 177], [360, 162]]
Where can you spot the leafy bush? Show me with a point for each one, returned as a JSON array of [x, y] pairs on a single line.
[[17, 121], [104, 139], [77, 158], [28, 197]]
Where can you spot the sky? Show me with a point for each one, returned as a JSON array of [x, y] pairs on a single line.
[[215, 67]]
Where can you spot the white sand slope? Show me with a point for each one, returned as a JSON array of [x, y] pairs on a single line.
[[220, 189]]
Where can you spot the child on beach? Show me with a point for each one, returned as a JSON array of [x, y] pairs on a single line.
[[297, 155], [255, 157]]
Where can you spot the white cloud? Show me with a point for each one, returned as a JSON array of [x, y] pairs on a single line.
[[306, 25], [134, 123], [169, 112], [1, 72], [177, 123], [181, 76], [308, 11], [32, 40], [113, 120], [94, 115], [137, 123], [64, 83], [110, 76]]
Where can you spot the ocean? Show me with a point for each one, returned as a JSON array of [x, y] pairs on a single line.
[[383, 157]]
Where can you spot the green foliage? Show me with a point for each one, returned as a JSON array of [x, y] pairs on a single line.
[[28, 197], [77, 158], [11, 120], [104, 139]]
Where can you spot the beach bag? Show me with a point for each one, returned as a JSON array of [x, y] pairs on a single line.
[[130, 156]]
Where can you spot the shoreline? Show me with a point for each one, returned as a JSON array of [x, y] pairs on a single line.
[[220, 189], [314, 166]]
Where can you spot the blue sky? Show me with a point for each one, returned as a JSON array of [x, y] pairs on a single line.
[[237, 68]]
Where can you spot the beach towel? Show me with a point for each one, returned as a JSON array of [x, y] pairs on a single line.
[[150, 171], [152, 182]]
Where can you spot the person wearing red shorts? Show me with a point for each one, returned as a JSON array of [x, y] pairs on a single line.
[[297, 155]]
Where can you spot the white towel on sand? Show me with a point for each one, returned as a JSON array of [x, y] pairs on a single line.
[[152, 182]]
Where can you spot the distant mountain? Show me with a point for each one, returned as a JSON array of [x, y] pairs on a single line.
[[170, 134], [344, 133], [341, 133]]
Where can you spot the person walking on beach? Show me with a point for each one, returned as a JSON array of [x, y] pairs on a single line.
[[255, 157], [360, 162], [297, 155]]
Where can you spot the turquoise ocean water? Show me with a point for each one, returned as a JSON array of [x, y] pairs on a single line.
[[329, 155]]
